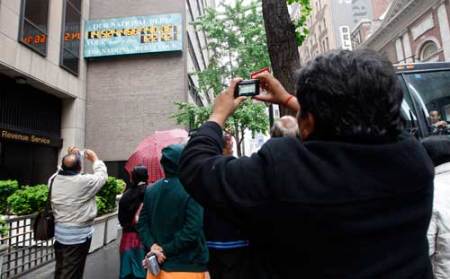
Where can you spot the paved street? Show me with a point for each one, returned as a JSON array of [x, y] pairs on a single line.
[[103, 263]]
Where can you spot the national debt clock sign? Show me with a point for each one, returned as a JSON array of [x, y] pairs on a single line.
[[133, 35]]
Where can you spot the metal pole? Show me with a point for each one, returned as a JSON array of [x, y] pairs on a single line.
[[270, 116]]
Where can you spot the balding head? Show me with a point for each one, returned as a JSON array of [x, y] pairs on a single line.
[[71, 162], [286, 126]]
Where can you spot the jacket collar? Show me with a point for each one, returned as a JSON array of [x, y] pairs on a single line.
[[443, 168], [68, 172]]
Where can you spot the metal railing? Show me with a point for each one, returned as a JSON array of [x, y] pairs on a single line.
[[24, 254]]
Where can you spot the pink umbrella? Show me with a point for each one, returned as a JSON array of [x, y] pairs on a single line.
[[161, 137], [148, 152]]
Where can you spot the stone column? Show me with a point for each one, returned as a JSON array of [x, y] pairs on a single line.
[[445, 30], [73, 123], [407, 48], [399, 51]]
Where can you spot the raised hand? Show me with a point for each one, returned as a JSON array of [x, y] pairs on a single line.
[[225, 104], [90, 155], [276, 94]]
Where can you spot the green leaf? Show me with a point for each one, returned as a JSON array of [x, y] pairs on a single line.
[[7, 188], [301, 29], [28, 200], [107, 195], [237, 43]]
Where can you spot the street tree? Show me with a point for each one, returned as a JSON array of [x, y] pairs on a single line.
[[237, 45], [284, 36]]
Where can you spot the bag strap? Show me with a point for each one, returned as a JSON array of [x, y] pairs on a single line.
[[48, 205], [136, 215]]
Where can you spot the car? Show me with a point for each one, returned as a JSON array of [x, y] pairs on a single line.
[[426, 104]]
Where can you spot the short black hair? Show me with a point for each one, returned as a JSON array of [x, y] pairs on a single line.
[[139, 174], [353, 95], [71, 162], [438, 148]]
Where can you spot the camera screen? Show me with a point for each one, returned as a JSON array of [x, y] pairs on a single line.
[[246, 89]]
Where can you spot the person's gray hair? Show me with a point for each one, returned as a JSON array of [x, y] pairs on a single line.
[[286, 126]]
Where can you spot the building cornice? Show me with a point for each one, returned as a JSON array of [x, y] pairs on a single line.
[[361, 22], [397, 21]]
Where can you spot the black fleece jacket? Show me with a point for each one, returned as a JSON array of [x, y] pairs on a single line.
[[320, 209]]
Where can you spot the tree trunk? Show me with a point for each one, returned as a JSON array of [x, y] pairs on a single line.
[[283, 50], [242, 143]]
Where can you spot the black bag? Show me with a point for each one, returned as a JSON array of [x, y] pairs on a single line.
[[44, 224]]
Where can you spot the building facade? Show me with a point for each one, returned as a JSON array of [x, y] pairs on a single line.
[[198, 53], [330, 24], [43, 92], [55, 93], [413, 31], [367, 26], [131, 96]]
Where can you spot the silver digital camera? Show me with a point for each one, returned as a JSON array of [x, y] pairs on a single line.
[[153, 265]]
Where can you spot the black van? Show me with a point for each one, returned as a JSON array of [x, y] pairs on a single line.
[[426, 103]]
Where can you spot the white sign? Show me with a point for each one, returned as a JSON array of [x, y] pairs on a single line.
[[345, 37]]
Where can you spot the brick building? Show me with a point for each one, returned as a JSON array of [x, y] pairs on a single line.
[[330, 24], [411, 31]]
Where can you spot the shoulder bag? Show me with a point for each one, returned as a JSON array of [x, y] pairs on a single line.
[[44, 224]]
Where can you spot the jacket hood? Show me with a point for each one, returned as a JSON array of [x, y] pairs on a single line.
[[170, 159]]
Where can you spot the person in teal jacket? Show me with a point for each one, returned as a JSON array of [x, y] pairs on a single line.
[[171, 222]]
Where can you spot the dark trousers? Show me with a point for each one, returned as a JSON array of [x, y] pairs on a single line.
[[229, 263], [70, 259]]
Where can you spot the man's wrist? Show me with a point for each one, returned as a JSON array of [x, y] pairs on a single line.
[[292, 104], [219, 119], [287, 100]]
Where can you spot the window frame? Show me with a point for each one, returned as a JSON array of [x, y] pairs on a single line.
[[424, 47], [421, 114], [63, 29], [22, 19]]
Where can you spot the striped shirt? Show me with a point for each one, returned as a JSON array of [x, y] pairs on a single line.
[[71, 235]]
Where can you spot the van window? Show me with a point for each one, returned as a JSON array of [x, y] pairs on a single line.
[[431, 90], [407, 111]]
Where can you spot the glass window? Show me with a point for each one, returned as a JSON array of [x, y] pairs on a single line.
[[70, 61], [428, 50], [432, 92], [76, 4], [70, 43], [33, 25], [407, 111]]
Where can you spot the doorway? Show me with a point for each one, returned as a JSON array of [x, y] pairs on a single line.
[[30, 164]]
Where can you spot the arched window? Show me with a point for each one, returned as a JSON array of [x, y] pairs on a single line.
[[428, 50]]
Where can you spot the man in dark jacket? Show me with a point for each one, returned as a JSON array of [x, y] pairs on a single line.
[[352, 201], [171, 222]]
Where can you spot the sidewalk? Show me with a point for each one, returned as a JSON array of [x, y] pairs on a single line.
[[103, 263]]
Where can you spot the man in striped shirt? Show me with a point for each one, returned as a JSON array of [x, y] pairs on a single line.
[[227, 244], [74, 208]]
